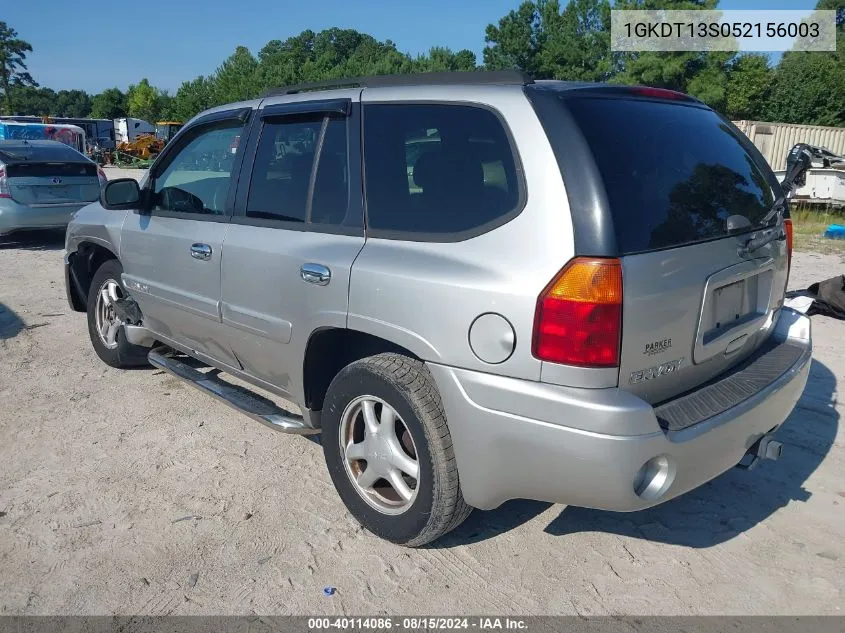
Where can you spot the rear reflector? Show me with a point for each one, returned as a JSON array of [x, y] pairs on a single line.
[[578, 320]]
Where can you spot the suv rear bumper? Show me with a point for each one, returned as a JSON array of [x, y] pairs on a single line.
[[599, 448]]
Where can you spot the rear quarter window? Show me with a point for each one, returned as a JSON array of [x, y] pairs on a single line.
[[437, 171], [673, 174]]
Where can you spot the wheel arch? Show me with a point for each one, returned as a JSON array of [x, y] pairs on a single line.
[[82, 265], [331, 349]]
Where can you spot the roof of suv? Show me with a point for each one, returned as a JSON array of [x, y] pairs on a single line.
[[475, 78], [471, 78]]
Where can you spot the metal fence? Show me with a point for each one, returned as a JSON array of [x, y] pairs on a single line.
[[774, 140]]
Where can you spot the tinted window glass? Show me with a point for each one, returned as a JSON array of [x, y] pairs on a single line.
[[282, 173], [198, 177], [673, 174], [40, 170], [436, 168], [331, 186]]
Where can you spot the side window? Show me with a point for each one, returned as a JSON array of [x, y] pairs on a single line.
[[436, 169], [198, 178], [288, 151]]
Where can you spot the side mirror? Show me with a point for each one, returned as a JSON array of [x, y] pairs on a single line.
[[123, 193]]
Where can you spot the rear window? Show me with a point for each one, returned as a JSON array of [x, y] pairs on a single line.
[[673, 174], [39, 151], [41, 170]]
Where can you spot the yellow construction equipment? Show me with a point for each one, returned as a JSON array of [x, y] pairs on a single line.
[[145, 146], [166, 130]]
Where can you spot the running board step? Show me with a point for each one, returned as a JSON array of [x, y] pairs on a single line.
[[237, 397]]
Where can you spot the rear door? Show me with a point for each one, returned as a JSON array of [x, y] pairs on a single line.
[[171, 250], [684, 191], [297, 229]]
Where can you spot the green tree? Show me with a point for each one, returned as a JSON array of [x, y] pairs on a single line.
[[32, 100], [703, 75], [549, 43], [515, 42], [749, 84], [441, 59], [13, 72], [144, 101], [72, 103], [809, 87], [191, 97], [237, 78], [576, 41], [109, 104]]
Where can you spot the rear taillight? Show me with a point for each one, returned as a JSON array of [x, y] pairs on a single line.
[[101, 176], [787, 227], [578, 320], [5, 191]]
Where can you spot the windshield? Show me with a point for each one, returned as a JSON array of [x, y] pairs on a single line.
[[673, 174]]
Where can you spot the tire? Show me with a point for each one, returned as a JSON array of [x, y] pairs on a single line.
[[122, 354], [405, 386]]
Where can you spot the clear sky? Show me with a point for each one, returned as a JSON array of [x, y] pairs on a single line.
[[97, 45]]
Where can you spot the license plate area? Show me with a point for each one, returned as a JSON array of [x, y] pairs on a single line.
[[736, 303]]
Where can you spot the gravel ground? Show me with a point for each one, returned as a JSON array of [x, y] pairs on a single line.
[[128, 492]]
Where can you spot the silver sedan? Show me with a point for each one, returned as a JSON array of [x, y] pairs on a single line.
[[43, 183]]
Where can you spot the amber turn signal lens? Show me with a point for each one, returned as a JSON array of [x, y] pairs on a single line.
[[588, 280]]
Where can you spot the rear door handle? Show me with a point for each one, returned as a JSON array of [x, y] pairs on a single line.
[[315, 274], [201, 251]]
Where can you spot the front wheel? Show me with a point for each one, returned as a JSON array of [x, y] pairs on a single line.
[[389, 452], [104, 327]]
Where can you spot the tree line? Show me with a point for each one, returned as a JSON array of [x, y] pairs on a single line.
[[544, 38]]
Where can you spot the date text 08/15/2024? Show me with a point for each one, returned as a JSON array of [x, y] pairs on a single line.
[[420, 623]]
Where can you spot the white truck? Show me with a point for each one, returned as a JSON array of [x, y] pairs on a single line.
[[128, 129]]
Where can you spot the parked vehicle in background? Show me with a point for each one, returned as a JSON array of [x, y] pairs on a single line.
[[70, 135], [474, 286], [166, 130], [128, 129], [43, 183], [99, 132]]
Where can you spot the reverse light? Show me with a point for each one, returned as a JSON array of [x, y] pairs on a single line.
[[5, 191], [578, 319], [101, 176]]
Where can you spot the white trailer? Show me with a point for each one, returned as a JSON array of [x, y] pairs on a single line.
[[128, 129]]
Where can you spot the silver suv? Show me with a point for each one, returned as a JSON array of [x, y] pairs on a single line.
[[474, 286]]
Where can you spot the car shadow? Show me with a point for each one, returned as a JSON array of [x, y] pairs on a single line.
[[714, 513], [47, 240], [10, 323]]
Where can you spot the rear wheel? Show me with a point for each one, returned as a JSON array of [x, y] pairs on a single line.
[[389, 451], [104, 326]]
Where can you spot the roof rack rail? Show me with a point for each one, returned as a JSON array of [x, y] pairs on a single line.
[[478, 78]]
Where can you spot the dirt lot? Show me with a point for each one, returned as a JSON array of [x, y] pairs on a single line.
[[128, 492]]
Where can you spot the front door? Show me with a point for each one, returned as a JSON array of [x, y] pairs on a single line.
[[171, 251], [297, 229]]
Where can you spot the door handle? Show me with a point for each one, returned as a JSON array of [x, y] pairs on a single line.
[[201, 251], [315, 274]]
